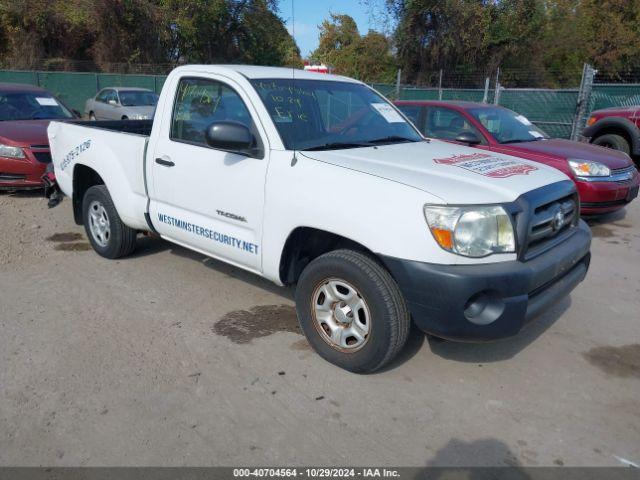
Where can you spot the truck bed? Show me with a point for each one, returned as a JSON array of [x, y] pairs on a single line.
[[136, 127], [114, 150]]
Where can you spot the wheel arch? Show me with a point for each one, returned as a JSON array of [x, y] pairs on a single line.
[[84, 177], [616, 126], [304, 244]]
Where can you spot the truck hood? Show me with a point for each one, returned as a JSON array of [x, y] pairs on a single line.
[[455, 174], [561, 148], [24, 133]]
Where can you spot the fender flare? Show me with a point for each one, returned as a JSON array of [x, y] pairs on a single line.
[[616, 123]]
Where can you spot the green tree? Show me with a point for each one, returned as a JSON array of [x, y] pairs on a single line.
[[128, 31], [44, 29], [611, 33], [228, 31], [103, 32], [465, 35], [341, 46]]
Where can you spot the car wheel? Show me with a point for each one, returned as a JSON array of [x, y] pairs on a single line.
[[108, 236], [351, 311], [92, 116], [125, 118], [613, 141]]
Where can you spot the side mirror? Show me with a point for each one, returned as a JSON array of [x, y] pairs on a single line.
[[113, 102], [467, 137], [230, 136]]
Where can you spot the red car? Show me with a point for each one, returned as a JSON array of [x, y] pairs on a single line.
[[25, 112], [607, 180], [617, 128]]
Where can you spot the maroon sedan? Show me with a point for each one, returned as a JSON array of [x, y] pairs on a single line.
[[25, 112], [606, 179]]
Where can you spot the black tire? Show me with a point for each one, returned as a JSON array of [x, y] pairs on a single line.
[[389, 317], [121, 240], [613, 141], [124, 118]]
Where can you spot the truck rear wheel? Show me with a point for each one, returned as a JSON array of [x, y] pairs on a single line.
[[108, 236], [615, 142], [352, 311]]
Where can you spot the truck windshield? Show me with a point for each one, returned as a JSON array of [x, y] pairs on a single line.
[[133, 98], [507, 126], [329, 115], [31, 106]]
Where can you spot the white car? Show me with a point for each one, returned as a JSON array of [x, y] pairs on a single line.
[[122, 103], [320, 182]]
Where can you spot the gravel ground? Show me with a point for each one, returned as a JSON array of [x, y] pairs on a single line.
[[170, 358]]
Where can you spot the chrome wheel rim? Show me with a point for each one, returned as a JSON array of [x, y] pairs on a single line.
[[341, 315], [99, 224]]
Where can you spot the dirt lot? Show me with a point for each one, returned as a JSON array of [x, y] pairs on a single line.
[[170, 358]]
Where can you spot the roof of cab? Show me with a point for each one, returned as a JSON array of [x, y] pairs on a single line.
[[254, 72]]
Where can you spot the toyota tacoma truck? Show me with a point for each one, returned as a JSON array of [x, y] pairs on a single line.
[[318, 181]]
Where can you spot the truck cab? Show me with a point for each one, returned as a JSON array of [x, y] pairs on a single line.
[[318, 181]]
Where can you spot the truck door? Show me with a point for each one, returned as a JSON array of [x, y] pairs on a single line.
[[204, 198]]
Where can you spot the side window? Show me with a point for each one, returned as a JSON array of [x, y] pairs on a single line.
[[112, 96], [199, 103], [102, 96], [447, 124]]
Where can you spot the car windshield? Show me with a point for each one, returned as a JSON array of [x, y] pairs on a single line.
[[329, 115], [507, 126], [31, 106], [134, 98]]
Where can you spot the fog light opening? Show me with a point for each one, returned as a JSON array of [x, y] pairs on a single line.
[[484, 307]]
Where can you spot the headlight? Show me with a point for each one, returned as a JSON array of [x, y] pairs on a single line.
[[471, 231], [11, 152], [587, 168]]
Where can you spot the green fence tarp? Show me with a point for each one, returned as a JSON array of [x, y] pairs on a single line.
[[75, 88]]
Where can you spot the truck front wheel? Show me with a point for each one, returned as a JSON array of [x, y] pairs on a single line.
[[352, 311], [109, 237], [615, 142]]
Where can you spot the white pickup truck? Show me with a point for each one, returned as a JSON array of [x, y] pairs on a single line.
[[318, 181]]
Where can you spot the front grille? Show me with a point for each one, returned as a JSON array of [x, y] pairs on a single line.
[[43, 157], [623, 175], [10, 177], [549, 223]]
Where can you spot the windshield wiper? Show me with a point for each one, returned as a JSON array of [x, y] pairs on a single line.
[[338, 145], [523, 140], [391, 139]]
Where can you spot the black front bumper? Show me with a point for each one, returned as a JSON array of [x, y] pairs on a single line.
[[490, 301]]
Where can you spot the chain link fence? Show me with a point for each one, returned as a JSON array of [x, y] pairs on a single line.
[[549, 99]]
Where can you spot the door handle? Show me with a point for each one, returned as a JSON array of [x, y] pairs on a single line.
[[165, 162]]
